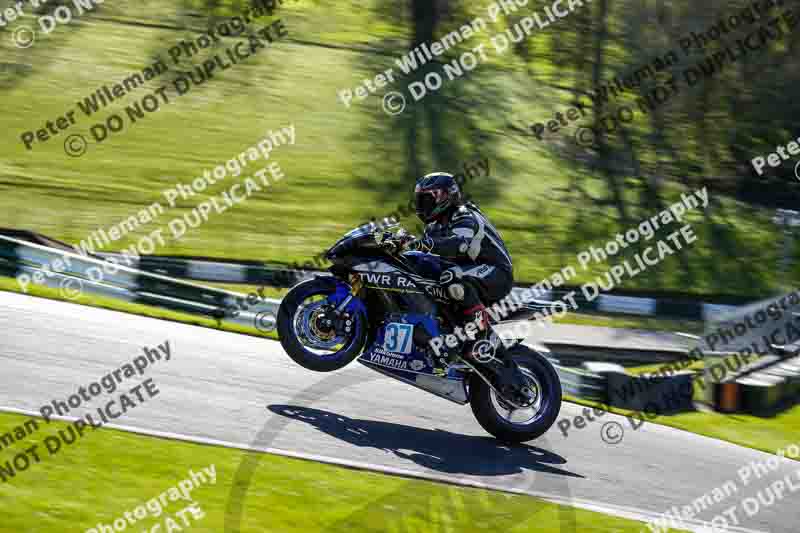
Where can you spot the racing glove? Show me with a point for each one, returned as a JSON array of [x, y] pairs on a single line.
[[424, 244]]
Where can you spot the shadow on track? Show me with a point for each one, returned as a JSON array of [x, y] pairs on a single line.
[[435, 449], [437, 444]]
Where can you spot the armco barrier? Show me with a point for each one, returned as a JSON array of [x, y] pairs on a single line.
[[679, 306], [582, 384], [9, 262], [576, 354], [253, 273], [213, 270], [129, 284]]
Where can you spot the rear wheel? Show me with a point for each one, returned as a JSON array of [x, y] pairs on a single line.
[[312, 334], [514, 424]]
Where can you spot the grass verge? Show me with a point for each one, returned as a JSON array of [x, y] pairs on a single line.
[[107, 472]]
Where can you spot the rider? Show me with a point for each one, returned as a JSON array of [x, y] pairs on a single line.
[[459, 232]]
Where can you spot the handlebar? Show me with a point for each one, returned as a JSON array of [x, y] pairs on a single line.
[[395, 242], [392, 246]]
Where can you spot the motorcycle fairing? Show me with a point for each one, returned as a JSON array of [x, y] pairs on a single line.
[[414, 368], [382, 275]]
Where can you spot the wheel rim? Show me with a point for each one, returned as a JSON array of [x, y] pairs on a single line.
[[517, 416], [310, 327]]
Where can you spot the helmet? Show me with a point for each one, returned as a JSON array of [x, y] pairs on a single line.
[[434, 194]]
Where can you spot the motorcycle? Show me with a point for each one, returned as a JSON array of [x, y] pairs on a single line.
[[386, 307]]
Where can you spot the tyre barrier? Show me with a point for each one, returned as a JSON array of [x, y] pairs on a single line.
[[759, 389], [659, 394], [760, 393], [610, 385]]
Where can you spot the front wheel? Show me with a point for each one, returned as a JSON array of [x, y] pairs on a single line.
[[312, 334], [511, 424]]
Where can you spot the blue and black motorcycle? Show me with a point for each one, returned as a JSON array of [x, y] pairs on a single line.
[[386, 307]]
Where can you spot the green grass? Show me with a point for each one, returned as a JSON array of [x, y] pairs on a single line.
[[106, 473], [347, 165], [647, 369]]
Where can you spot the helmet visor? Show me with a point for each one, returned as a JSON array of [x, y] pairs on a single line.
[[426, 202]]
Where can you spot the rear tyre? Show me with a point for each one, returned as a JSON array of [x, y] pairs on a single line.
[[512, 425], [304, 335]]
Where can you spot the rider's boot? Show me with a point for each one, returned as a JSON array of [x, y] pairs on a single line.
[[489, 350], [473, 347], [478, 347]]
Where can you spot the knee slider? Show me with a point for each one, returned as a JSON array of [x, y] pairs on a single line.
[[456, 291]]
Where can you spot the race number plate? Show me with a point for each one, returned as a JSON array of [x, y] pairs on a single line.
[[398, 337]]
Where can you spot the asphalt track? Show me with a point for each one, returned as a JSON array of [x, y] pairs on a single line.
[[246, 392]]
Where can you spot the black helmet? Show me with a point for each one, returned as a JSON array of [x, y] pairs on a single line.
[[434, 194]]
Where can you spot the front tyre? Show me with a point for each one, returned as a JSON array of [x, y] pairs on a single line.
[[310, 332], [514, 425]]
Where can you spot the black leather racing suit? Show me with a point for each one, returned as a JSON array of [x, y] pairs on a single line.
[[483, 265]]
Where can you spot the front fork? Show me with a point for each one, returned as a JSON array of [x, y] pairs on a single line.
[[355, 286], [347, 305]]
